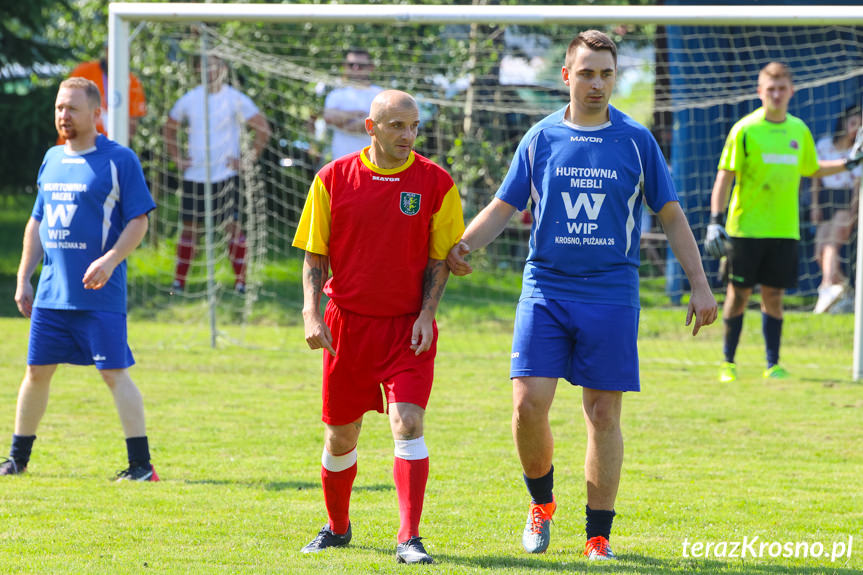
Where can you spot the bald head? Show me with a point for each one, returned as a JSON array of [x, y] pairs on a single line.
[[390, 101], [392, 124]]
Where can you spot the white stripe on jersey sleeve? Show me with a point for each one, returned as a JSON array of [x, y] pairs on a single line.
[[630, 203], [110, 203], [534, 193]]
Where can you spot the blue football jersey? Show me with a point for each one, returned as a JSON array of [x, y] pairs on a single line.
[[586, 187], [84, 201]]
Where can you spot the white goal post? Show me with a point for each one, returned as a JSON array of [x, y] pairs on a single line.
[[121, 15]]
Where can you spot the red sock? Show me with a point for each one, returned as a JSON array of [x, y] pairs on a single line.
[[410, 477], [337, 496], [185, 254], [237, 253]]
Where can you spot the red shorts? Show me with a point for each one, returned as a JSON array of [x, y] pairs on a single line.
[[372, 352]]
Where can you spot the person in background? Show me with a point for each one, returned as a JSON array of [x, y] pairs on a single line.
[[346, 107], [834, 209], [230, 112], [765, 155]]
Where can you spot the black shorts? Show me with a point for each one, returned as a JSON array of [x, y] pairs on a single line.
[[226, 200], [770, 262]]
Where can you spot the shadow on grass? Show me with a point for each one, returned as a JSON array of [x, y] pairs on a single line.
[[299, 485], [634, 563], [283, 485]]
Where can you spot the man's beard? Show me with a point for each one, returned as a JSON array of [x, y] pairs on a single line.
[[68, 132]]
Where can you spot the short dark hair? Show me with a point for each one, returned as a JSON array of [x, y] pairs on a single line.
[[359, 52], [593, 39], [89, 87]]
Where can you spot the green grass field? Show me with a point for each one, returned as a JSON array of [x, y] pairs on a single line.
[[236, 437]]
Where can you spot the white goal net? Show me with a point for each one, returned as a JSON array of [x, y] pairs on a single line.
[[481, 82]]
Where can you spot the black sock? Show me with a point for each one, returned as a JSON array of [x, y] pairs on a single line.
[[771, 327], [733, 327], [139, 451], [22, 445], [598, 522], [540, 488]]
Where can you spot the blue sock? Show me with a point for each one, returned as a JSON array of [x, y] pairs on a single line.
[[22, 445], [733, 328], [771, 327], [540, 488], [139, 450], [598, 522]]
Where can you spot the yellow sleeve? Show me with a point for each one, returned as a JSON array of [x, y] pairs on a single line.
[[810, 154], [447, 225], [313, 230], [732, 153]]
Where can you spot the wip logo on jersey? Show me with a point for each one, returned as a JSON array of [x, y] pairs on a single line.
[[58, 235], [582, 201], [409, 203], [60, 212]]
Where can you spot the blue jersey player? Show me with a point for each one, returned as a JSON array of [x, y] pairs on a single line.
[[90, 213], [586, 172]]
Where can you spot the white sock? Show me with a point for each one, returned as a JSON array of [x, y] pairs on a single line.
[[338, 463], [411, 449]]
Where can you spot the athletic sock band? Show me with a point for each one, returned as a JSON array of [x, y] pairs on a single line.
[[733, 329], [598, 522], [22, 445], [771, 327], [138, 450], [338, 463], [540, 488], [411, 449]]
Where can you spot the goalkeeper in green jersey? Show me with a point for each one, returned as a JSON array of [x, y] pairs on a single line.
[[764, 156]]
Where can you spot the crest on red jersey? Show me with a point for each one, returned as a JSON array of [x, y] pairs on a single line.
[[409, 203]]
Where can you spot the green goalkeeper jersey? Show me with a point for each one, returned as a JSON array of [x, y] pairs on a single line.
[[768, 160]]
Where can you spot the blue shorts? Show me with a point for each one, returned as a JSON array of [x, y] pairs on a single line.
[[589, 344], [79, 337]]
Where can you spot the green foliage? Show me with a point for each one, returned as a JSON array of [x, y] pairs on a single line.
[[23, 38], [40, 32], [81, 28], [30, 119]]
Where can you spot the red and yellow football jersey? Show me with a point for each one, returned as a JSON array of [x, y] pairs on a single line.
[[379, 227]]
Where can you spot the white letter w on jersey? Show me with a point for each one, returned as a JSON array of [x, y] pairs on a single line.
[[62, 212], [582, 201]]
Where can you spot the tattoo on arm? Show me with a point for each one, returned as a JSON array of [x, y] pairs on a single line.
[[315, 280], [315, 271], [434, 282]]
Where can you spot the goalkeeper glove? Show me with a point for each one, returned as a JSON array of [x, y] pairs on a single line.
[[855, 155], [714, 241]]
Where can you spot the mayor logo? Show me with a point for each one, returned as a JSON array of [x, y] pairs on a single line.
[[409, 203]]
